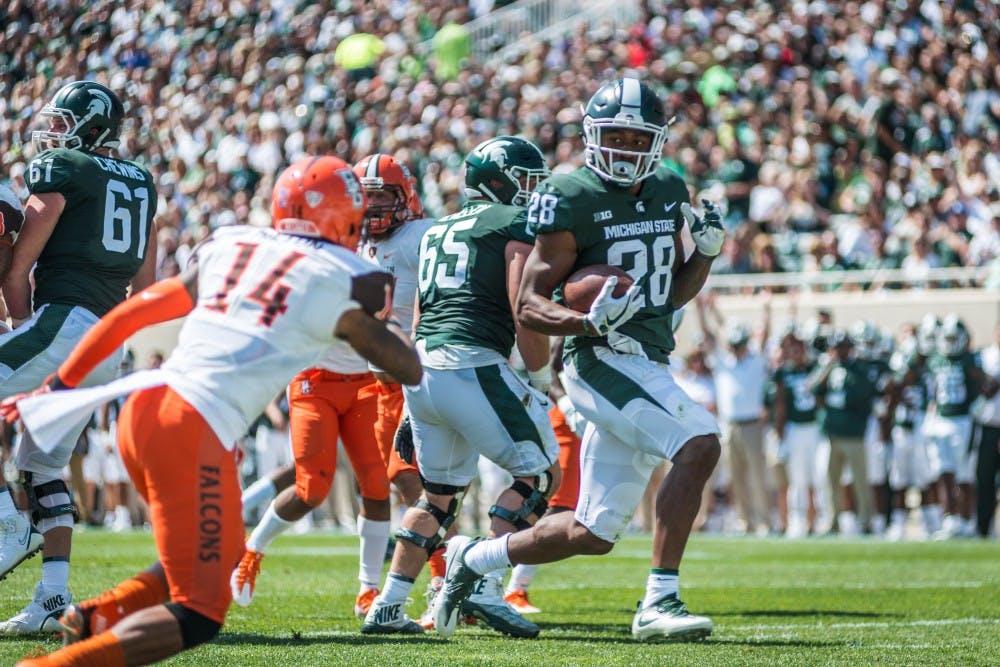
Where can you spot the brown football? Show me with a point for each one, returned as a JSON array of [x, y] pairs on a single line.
[[583, 286]]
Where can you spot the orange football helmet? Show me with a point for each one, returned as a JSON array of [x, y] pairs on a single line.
[[319, 196], [383, 173]]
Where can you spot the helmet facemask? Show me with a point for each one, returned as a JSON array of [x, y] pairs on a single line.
[[527, 180], [619, 166], [384, 217]]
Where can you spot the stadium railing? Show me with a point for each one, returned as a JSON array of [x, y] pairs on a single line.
[[512, 30]]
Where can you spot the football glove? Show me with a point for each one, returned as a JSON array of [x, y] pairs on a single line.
[[608, 312], [574, 419], [8, 407], [706, 230], [403, 440]]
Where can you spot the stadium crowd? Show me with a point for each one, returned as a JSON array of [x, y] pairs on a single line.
[[821, 140], [857, 136], [861, 138]]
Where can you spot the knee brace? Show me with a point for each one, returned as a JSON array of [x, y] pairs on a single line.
[[535, 501], [50, 502], [444, 519], [196, 628]]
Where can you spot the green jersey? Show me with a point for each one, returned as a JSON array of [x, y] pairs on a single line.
[[638, 233], [848, 396], [101, 237], [800, 403], [462, 279], [951, 381]]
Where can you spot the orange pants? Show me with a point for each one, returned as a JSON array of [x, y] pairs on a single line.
[[569, 461], [323, 405], [390, 411], [189, 480]]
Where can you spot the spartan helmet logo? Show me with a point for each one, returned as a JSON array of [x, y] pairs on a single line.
[[100, 105], [497, 152]]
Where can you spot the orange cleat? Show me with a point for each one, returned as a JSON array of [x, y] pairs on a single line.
[[363, 602], [244, 578], [520, 602]]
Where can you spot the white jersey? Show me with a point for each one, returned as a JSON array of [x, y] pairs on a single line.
[[400, 255], [267, 307]]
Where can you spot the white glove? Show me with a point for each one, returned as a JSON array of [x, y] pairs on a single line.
[[607, 313], [541, 379], [707, 230], [574, 419]]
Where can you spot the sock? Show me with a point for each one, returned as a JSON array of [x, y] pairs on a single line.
[[271, 525], [660, 583], [397, 588], [374, 540], [143, 590], [932, 518], [6, 502], [436, 563], [878, 524], [260, 492], [899, 516], [521, 577], [55, 573], [488, 555], [102, 650]]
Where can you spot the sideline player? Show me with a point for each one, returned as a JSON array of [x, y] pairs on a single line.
[[262, 304], [623, 208], [471, 402], [88, 233]]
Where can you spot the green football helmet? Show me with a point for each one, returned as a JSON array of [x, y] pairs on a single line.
[[952, 336], [505, 170], [624, 104], [84, 116]]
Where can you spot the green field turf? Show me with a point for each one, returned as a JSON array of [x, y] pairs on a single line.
[[821, 602]]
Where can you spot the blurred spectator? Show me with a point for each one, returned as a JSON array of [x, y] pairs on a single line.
[[804, 120]]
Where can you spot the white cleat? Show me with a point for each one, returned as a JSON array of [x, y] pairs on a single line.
[[389, 618], [19, 541], [40, 616], [669, 620]]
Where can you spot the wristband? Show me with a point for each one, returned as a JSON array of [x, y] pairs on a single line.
[[588, 327], [541, 379]]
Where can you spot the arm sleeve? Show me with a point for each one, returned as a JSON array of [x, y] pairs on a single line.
[[160, 302]]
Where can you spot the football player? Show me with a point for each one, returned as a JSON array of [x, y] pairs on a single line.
[[471, 402], [393, 228], [260, 305], [796, 426], [624, 208], [88, 233], [956, 383], [332, 403]]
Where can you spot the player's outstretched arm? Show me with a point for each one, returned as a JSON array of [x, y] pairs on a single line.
[[546, 268], [160, 302]]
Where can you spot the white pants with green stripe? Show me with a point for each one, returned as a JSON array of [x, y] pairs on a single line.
[[638, 417], [458, 414], [32, 353]]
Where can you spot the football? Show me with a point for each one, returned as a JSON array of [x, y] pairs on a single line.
[[583, 286]]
